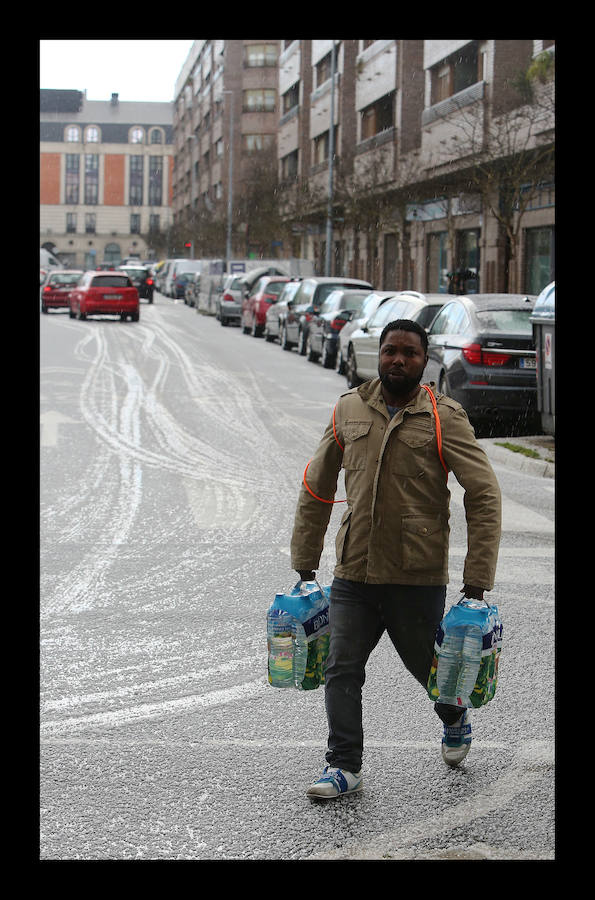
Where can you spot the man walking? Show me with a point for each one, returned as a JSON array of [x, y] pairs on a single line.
[[392, 543]]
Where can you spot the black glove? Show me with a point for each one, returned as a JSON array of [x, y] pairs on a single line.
[[305, 576]]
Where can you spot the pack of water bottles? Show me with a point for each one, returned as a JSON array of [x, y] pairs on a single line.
[[467, 648], [298, 636]]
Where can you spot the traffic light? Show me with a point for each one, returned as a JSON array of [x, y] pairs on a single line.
[[188, 246]]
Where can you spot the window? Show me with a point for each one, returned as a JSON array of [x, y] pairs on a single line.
[[323, 70], [456, 73], [137, 135], [136, 181], [289, 165], [156, 136], [251, 143], [91, 178], [73, 133], [219, 148], [155, 180], [154, 222], [92, 134], [452, 319], [260, 55], [90, 223], [259, 100], [70, 223], [321, 145], [291, 98], [378, 116], [134, 223], [72, 178]]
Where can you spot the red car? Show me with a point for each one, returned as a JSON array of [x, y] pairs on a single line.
[[104, 294], [255, 304], [56, 288]]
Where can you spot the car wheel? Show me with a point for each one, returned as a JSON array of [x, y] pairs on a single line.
[[302, 340], [268, 336], [81, 315], [71, 313], [340, 366], [245, 328], [443, 386], [328, 359], [223, 320], [285, 343], [44, 308], [351, 370], [310, 354], [135, 317]]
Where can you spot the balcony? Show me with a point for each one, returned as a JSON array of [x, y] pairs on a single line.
[[463, 98]]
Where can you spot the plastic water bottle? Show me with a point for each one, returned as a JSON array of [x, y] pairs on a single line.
[[449, 664], [280, 640], [470, 663], [300, 654]]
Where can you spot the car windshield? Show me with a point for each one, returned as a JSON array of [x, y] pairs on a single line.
[[426, 316], [65, 279], [275, 287], [325, 289], [135, 273], [512, 321], [237, 284], [103, 281]]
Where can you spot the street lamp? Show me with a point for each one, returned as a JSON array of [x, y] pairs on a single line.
[[331, 153], [230, 183]]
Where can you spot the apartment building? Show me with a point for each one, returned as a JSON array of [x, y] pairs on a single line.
[[431, 140], [105, 176], [225, 110]]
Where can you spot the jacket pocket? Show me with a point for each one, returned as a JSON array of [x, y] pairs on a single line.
[[423, 543], [342, 534], [356, 444]]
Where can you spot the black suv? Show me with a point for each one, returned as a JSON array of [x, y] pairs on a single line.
[[142, 280]]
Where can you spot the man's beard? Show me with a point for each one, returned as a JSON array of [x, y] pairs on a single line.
[[400, 386]]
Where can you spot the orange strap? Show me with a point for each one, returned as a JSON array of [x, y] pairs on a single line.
[[438, 427], [438, 441]]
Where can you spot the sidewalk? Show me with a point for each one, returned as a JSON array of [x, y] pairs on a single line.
[[544, 464]]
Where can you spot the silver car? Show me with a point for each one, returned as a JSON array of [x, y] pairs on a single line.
[[370, 305], [362, 350], [229, 301]]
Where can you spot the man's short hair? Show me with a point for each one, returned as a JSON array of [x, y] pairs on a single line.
[[406, 325]]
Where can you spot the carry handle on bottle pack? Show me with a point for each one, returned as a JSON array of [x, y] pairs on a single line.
[[298, 636], [464, 670]]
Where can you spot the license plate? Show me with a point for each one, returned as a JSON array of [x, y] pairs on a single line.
[[112, 296], [527, 362]]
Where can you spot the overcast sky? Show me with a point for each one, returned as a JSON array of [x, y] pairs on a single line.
[[136, 70]]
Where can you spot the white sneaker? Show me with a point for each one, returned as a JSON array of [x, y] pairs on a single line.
[[456, 740], [334, 782]]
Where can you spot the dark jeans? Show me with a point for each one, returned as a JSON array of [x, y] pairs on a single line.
[[359, 613]]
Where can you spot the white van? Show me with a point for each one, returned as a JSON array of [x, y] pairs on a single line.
[[179, 265], [214, 275]]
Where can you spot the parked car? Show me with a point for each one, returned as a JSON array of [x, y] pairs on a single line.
[[369, 307], [254, 306], [180, 282], [481, 353], [56, 288], [192, 292], [104, 294], [174, 270], [325, 325], [362, 349], [229, 299], [277, 312], [142, 280], [310, 297]]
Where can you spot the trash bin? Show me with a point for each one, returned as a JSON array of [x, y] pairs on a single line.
[[543, 321]]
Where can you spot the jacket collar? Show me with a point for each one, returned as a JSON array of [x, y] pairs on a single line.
[[371, 393]]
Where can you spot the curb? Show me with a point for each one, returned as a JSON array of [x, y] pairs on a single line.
[[538, 467]]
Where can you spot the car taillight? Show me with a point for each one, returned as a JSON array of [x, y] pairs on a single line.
[[149, 281], [48, 287], [476, 356], [228, 297]]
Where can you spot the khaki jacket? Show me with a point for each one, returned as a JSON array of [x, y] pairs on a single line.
[[395, 526]]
